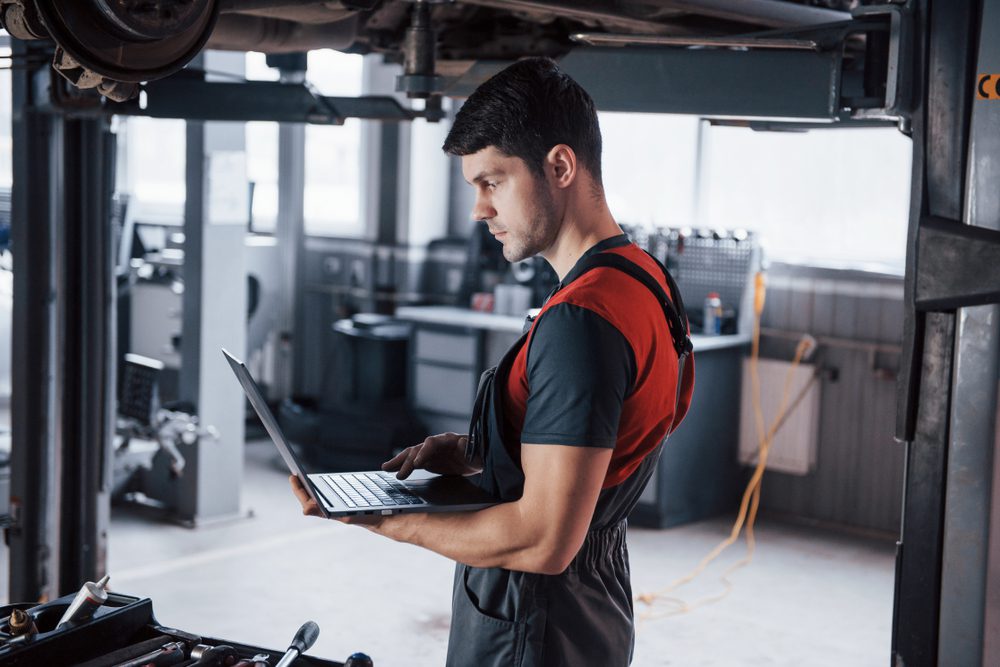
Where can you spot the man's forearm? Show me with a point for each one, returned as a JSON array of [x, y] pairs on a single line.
[[540, 532], [509, 535]]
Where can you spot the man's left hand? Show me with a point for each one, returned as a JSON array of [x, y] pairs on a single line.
[[310, 508]]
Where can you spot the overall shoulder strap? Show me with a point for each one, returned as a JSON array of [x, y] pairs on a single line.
[[673, 307]]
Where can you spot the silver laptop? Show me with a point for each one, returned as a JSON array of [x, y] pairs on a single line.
[[369, 492]]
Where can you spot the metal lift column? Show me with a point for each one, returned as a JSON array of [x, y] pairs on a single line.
[[948, 383], [215, 308], [964, 567], [63, 332], [290, 227]]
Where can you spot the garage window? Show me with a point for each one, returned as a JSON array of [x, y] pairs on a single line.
[[333, 186], [827, 197], [151, 168], [837, 197]]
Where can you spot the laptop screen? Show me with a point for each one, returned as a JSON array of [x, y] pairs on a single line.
[[270, 423]]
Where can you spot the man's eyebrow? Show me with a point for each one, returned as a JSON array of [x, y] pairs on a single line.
[[481, 175]]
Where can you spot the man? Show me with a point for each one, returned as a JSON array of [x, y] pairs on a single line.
[[572, 419]]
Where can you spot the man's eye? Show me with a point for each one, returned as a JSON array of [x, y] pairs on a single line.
[[491, 186]]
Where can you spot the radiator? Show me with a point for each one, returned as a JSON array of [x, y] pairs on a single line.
[[793, 449]]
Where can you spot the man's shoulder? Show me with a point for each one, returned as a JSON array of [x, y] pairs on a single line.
[[611, 297], [608, 290]]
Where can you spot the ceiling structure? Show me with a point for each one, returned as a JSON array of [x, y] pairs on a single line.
[[113, 45]]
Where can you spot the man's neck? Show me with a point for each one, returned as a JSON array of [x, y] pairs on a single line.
[[578, 234]]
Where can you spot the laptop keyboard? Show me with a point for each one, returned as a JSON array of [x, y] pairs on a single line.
[[368, 489]]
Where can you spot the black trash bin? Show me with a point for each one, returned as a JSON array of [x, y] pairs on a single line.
[[368, 362], [360, 417]]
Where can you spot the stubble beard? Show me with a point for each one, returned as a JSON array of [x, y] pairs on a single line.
[[541, 231]]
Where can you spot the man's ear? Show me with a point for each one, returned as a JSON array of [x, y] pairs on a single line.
[[560, 165]]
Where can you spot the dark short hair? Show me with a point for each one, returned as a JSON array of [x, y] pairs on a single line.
[[524, 111]]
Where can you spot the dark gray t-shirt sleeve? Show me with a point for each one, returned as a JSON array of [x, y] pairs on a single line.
[[580, 369]]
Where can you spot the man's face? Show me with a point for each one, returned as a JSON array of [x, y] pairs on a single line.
[[514, 201]]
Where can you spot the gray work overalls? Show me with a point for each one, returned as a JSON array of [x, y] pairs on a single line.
[[581, 617]]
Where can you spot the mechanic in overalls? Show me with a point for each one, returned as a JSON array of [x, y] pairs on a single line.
[[569, 425]]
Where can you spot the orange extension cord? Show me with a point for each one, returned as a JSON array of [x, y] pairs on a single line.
[[751, 496]]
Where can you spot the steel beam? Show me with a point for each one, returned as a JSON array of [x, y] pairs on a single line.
[[960, 263], [719, 83], [991, 621], [940, 149], [189, 97], [88, 342], [929, 386], [290, 233], [969, 491], [918, 561], [384, 173], [709, 82], [35, 399]]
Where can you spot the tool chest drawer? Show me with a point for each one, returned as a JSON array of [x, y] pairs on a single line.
[[123, 632]]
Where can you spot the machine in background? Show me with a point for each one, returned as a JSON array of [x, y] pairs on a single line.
[[151, 437], [157, 433]]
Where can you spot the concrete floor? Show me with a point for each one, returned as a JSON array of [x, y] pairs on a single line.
[[808, 598]]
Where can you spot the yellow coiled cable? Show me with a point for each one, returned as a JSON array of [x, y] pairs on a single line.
[[750, 503]]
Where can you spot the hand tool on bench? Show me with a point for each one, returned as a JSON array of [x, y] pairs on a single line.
[[304, 639], [171, 653]]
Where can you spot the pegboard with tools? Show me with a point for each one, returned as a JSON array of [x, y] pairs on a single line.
[[703, 261], [99, 628]]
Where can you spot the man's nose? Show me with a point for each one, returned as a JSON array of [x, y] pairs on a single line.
[[482, 210]]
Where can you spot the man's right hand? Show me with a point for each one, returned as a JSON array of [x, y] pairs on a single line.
[[443, 454]]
